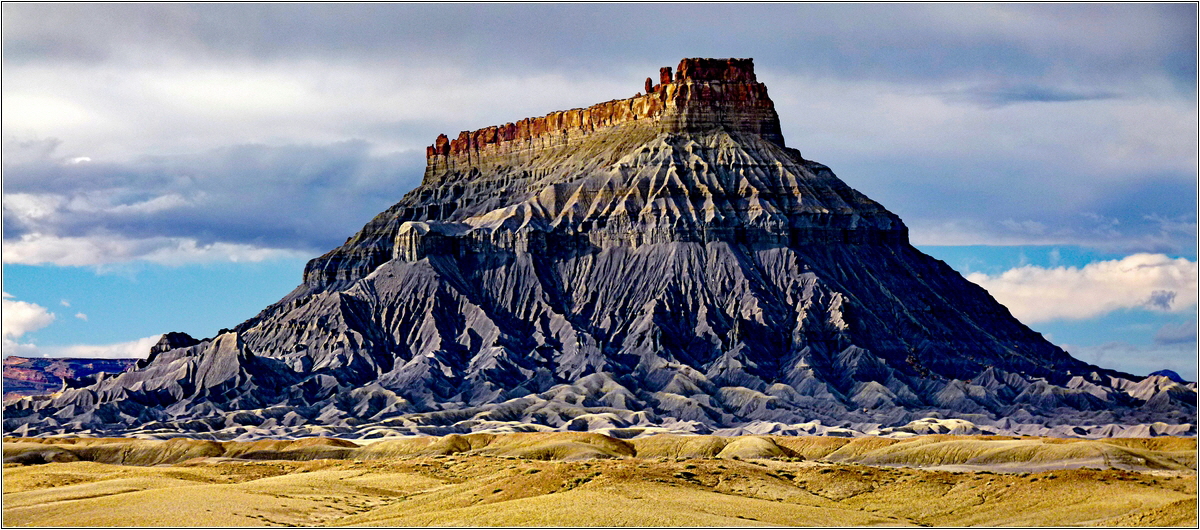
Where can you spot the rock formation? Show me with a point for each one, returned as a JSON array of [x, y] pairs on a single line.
[[657, 263]]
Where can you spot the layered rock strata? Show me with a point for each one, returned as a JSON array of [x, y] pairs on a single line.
[[659, 263], [706, 93], [499, 165]]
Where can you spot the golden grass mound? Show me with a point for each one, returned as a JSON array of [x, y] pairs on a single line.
[[588, 479], [676, 446]]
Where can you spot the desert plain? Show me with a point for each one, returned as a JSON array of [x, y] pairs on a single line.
[[589, 479]]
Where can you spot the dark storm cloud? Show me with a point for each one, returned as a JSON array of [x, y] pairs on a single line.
[[289, 125], [301, 197], [1181, 333], [893, 41], [1005, 199], [999, 96]]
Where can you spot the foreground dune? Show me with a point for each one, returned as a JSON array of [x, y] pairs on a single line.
[[588, 479]]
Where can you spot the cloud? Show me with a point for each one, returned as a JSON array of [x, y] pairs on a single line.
[[999, 96], [23, 317], [81, 316], [1098, 172], [245, 124], [250, 201], [1000, 176], [40, 249], [1161, 300], [134, 349], [1141, 281], [1138, 234], [289, 101], [19, 318], [1181, 333], [11, 347], [32, 208], [898, 40], [1139, 359]]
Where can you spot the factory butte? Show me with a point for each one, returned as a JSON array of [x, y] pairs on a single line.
[[738, 89], [662, 263]]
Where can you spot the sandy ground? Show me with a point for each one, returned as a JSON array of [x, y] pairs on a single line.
[[565, 479]]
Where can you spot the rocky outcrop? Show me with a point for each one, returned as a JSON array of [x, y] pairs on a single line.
[[708, 93], [494, 166], [662, 263]]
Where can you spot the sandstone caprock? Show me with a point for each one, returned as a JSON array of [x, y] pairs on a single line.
[[657, 263]]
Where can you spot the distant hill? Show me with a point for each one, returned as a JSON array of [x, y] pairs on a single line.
[[1170, 374], [24, 376]]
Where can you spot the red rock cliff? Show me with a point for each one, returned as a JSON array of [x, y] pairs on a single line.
[[704, 94]]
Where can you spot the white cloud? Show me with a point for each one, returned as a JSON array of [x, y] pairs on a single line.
[[198, 105], [32, 208], [19, 318], [134, 349], [90, 203], [40, 249], [179, 251], [1152, 131], [1141, 281], [23, 317], [65, 303], [20, 349]]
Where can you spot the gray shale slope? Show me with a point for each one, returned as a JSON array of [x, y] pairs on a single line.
[[657, 263]]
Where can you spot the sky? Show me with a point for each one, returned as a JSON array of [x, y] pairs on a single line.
[[171, 167]]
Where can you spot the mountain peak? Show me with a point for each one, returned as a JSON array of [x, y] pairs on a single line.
[[727, 70], [704, 94], [699, 156]]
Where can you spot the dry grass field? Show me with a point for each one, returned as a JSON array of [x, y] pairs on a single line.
[[582, 479]]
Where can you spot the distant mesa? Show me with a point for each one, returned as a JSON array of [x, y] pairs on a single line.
[[662, 263], [33, 376]]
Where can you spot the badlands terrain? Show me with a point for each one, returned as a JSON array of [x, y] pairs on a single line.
[[647, 312], [588, 479]]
